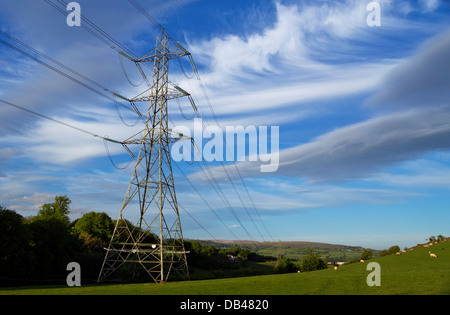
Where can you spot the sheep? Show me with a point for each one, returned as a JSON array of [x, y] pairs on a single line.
[[432, 255], [335, 267], [397, 253], [362, 260]]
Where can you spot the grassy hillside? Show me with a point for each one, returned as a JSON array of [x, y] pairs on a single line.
[[413, 272]]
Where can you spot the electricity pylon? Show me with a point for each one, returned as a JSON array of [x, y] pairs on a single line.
[[156, 242]]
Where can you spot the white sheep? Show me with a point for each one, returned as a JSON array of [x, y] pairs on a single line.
[[362, 260], [432, 255], [335, 267]]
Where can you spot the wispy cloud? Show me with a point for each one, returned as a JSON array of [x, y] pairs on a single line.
[[293, 61], [421, 81], [358, 150], [430, 5]]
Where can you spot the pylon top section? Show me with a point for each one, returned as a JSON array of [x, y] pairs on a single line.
[[163, 48]]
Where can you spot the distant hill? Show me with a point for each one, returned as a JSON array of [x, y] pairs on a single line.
[[282, 244], [292, 249]]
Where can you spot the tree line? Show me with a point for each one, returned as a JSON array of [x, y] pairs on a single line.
[[38, 248]]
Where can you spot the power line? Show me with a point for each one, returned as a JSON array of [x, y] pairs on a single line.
[[149, 17], [54, 61], [61, 72], [105, 139], [102, 35], [51, 119], [204, 200], [112, 98], [94, 30], [228, 175], [123, 51], [92, 82], [155, 23], [194, 67], [198, 223], [114, 44]]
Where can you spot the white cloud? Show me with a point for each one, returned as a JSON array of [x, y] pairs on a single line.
[[287, 41], [335, 82], [28, 203]]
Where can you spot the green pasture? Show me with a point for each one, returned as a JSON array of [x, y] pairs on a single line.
[[413, 272]]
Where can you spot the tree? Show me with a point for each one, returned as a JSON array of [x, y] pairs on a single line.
[[58, 209], [242, 253], [312, 261], [52, 247], [14, 248], [285, 265], [392, 250], [97, 224], [366, 254]]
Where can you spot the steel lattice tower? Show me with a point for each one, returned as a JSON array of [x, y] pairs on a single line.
[[155, 243]]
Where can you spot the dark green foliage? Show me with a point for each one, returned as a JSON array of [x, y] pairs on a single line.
[[366, 254], [95, 224], [52, 247], [312, 261], [57, 210], [40, 247], [392, 250], [205, 257], [14, 247], [206, 261], [285, 265]]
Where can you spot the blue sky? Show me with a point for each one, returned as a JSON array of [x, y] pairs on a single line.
[[363, 114]]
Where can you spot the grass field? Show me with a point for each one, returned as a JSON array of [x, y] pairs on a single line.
[[413, 272]]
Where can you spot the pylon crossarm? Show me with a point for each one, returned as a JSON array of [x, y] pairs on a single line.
[[149, 95], [169, 53], [142, 135], [138, 138]]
